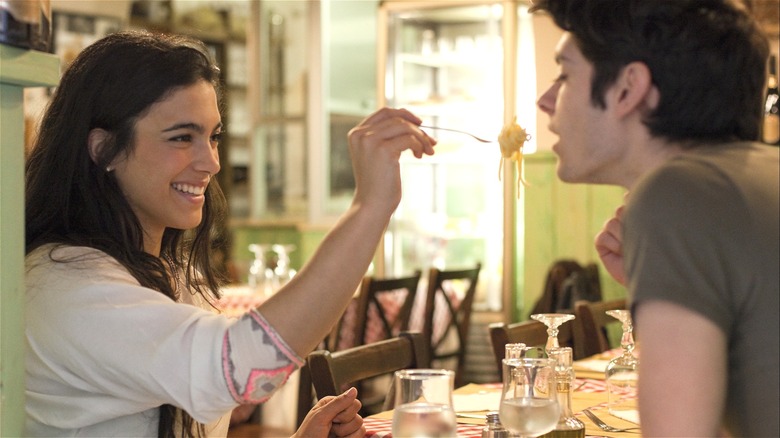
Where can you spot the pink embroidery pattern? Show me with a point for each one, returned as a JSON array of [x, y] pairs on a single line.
[[260, 384]]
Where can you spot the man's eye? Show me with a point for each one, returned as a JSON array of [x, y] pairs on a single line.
[[216, 138], [560, 78]]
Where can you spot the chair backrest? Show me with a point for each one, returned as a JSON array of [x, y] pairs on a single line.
[[331, 372], [384, 307], [531, 333], [442, 301], [591, 323]]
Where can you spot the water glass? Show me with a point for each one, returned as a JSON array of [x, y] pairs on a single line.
[[423, 404], [529, 402]]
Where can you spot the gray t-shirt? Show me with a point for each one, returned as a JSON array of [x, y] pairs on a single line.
[[702, 231]]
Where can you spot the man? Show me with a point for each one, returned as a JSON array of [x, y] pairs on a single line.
[[664, 98]]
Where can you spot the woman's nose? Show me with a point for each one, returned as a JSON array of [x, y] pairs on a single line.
[[208, 161]]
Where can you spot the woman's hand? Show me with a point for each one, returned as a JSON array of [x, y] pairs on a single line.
[[334, 417], [609, 245], [376, 145]]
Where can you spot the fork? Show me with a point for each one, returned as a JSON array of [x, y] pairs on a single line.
[[480, 139], [604, 426]]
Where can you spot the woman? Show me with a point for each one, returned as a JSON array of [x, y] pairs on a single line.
[[122, 334]]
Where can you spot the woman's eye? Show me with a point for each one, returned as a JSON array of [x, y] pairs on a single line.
[[560, 78], [216, 138], [182, 138]]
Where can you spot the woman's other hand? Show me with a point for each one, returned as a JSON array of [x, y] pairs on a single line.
[[334, 417]]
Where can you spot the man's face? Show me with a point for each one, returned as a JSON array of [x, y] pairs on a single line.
[[586, 150]]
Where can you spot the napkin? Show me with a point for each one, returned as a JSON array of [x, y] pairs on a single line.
[[477, 402], [591, 365], [631, 415]]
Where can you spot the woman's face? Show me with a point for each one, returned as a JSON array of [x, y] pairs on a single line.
[[175, 155]]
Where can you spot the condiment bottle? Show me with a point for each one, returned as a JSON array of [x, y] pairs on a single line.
[[493, 427], [568, 425]]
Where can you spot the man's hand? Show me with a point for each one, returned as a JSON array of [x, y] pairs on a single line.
[[609, 245]]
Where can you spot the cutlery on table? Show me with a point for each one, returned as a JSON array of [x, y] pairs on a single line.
[[606, 427]]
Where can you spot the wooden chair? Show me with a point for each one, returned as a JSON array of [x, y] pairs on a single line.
[[332, 372], [442, 293], [531, 333], [387, 301], [590, 325]]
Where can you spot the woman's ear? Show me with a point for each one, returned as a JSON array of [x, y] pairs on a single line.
[[95, 141]]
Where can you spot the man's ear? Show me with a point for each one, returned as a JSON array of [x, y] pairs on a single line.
[[95, 141], [634, 89]]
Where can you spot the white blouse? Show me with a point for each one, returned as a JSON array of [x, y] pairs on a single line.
[[103, 353]]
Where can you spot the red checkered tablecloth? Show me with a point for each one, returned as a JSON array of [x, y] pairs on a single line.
[[381, 428]]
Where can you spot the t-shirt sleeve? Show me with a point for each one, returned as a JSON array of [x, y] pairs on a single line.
[[679, 240]]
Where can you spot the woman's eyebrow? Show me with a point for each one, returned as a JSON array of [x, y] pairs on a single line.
[[193, 126]]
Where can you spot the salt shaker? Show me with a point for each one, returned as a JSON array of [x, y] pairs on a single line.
[[493, 427]]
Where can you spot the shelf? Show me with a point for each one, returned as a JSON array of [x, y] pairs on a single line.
[[453, 59], [28, 68]]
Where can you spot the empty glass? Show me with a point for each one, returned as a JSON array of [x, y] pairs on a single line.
[[529, 405], [260, 275], [423, 404], [622, 373], [552, 321]]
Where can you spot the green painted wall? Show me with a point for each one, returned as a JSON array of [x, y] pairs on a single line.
[[560, 221]]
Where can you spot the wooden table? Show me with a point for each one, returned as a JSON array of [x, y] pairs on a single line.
[[590, 393]]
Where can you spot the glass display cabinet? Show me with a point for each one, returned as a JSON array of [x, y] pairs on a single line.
[[453, 63]]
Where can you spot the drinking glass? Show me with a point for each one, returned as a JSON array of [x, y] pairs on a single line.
[[423, 404], [552, 321], [260, 275], [529, 405], [622, 373]]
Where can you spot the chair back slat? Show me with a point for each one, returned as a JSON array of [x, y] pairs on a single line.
[[591, 323], [378, 300], [457, 312], [531, 333], [332, 371]]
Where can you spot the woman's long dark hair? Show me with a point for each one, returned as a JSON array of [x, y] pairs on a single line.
[[73, 200]]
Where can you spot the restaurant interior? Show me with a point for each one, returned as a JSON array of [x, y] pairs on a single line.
[[299, 74]]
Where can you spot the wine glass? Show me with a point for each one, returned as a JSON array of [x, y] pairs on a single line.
[[282, 271], [552, 321], [622, 372], [423, 404], [260, 275], [529, 405]]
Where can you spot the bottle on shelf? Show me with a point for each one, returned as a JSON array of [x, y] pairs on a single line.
[[26, 24], [770, 133]]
